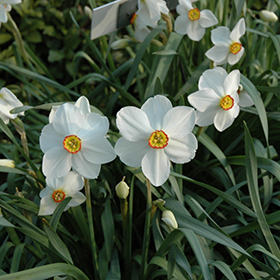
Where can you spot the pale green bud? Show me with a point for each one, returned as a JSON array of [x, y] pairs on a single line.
[[88, 11], [122, 190], [7, 163], [268, 16], [169, 219], [120, 44]]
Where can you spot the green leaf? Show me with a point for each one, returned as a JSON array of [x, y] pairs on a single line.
[[224, 268]]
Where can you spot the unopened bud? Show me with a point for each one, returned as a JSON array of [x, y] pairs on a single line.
[[268, 16], [122, 190], [169, 219], [7, 163], [120, 44], [88, 11]]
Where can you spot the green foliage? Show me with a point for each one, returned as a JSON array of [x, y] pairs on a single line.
[[226, 200]]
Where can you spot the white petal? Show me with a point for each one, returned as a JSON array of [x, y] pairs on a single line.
[[156, 166], [3, 14], [49, 138], [162, 6], [47, 206], [47, 191], [224, 119], [72, 183], [56, 162], [221, 35], [179, 121], [207, 118], [85, 168], [13, 2], [181, 24], [238, 30], [196, 31], [133, 124], [207, 19], [245, 99], [218, 53], [156, 108], [131, 153], [232, 82], [77, 199], [234, 58], [97, 149], [52, 113], [94, 124], [4, 118], [204, 100], [181, 150], [214, 79], [67, 119], [141, 32], [186, 4], [83, 104]]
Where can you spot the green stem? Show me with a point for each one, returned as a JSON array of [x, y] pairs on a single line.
[[146, 241], [91, 230]]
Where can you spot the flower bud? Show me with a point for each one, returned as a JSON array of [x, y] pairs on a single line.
[[7, 163], [88, 11], [122, 190], [120, 44], [169, 219], [268, 16]]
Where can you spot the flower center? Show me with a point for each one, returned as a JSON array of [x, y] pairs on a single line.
[[194, 14], [133, 18], [58, 196], [72, 144], [235, 48], [227, 102], [158, 139]]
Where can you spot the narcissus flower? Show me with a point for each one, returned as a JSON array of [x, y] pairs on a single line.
[[154, 135], [245, 99], [75, 138], [192, 21], [228, 47], [5, 6], [8, 101], [217, 99], [57, 189]]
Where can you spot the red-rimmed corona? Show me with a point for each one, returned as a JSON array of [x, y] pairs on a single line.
[[58, 196], [72, 144], [194, 14], [158, 139], [227, 102], [235, 48]]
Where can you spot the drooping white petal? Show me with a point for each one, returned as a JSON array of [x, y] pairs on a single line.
[[245, 99], [179, 121], [56, 162], [131, 153], [77, 199], [232, 81], [207, 18], [218, 53], [156, 166], [207, 118], [67, 119], [83, 104], [141, 30], [181, 24], [204, 100], [133, 124], [214, 79], [238, 30], [221, 35], [47, 206], [224, 119], [155, 108], [3, 14], [49, 138], [12, 2], [4, 118], [72, 183], [234, 58], [181, 150], [162, 6], [149, 12], [97, 149], [196, 31], [85, 168]]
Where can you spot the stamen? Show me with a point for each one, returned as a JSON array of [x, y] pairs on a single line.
[[194, 14], [227, 102], [58, 196], [235, 48], [158, 139], [72, 144]]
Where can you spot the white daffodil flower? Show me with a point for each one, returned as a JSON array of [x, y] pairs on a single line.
[[5, 6], [192, 21], [141, 29], [245, 99], [228, 47], [154, 135], [8, 101], [75, 138], [57, 189], [217, 99]]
